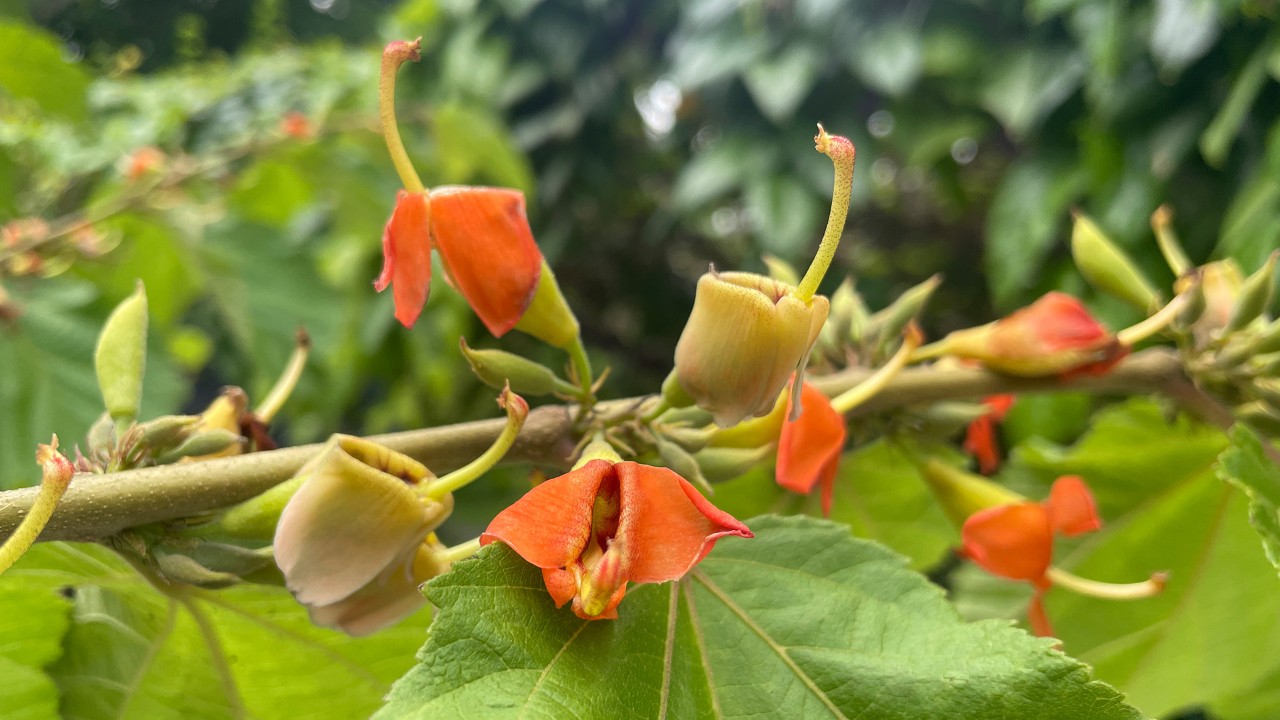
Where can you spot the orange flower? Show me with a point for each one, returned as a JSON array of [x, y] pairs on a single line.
[[142, 162], [296, 125], [608, 523], [1055, 335], [484, 241], [980, 438], [1015, 540], [809, 447]]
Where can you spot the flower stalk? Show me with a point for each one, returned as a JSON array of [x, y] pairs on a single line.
[[393, 56]]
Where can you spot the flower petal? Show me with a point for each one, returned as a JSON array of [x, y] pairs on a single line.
[[809, 447], [384, 601], [980, 441], [666, 524], [551, 524], [561, 584], [484, 239], [1072, 510], [1037, 618], [346, 524], [406, 256], [1012, 541]]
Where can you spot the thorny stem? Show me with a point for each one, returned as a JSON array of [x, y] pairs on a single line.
[[287, 381], [1108, 591], [842, 154], [393, 56]]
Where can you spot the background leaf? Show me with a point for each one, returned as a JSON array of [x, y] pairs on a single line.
[[1246, 466], [130, 651], [803, 621]]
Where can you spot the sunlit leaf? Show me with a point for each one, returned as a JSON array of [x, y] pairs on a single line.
[[1247, 466]]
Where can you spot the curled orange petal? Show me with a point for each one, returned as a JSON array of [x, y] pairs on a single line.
[[809, 447], [1072, 510], [406, 256], [551, 524], [488, 249], [1012, 541]]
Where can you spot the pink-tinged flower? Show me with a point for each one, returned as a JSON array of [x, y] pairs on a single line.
[[1055, 335], [607, 523], [980, 438], [809, 447]]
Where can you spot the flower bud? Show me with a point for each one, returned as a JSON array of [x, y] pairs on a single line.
[[166, 431], [1055, 335], [1255, 295], [213, 442], [1107, 267], [888, 324], [963, 494], [102, 435], [721, 464], [745, 337], [497, 368], [683, 463], [1220, 284], [121, 357], [548, 316]]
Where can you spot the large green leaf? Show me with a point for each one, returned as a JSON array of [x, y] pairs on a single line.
[[1247, 466], [133, 652], [1208, 639], [32, 68], [31, 629], [803, 621], [878, 493]]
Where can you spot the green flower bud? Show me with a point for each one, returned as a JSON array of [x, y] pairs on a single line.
[[679, 460], [102, 435], [205, 442], [548, 316], [887, 325], [166, 431], [1255, 295], [1107, 267], [497, 368], [962, 494], [781, 270], [721, 464], [121, 357]]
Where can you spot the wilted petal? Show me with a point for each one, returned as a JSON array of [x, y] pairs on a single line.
[[484, 240], [1072, 510], [550, 525], [406, 256], [350, 520], [809, 447], [1012, 541], [666, 524]]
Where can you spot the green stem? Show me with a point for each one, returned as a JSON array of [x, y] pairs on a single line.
[[468, 473], [1107, 591], [1162, 318], [582, 369], [462, 551], [846, 401], [393, 56], [26, 533], [842, 155], [287, 381]]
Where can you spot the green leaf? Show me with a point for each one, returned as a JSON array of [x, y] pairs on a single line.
[[31, 629], [133, 652], [472, 144], [1208, 638], [1030, 83], [889, 58], [785, 212], [1246, 465], [1251, 226], [877, 493], [1216, 141], [1027, 213], [803, 621], [32, 68], [780, 82]]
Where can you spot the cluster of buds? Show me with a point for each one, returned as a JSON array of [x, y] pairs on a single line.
[[1012, 537]]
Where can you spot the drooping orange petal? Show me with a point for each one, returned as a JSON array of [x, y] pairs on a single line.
[[827, 481], [406, 256], [484, 239], [551, 524], [1037, 618], [1072, 510], [1012, 541], [980, 441], [1062, 322], [666, 524], [1000, 405], [809, 447]]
